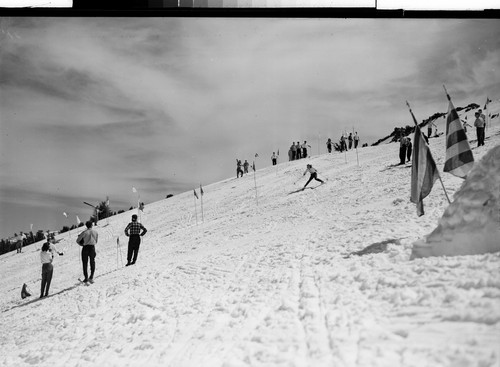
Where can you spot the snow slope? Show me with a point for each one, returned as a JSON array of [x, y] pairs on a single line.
[[273, 284]]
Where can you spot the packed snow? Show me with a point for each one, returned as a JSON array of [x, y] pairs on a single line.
[[267, 277]]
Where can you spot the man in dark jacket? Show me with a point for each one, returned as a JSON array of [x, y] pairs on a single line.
[[134, 231]]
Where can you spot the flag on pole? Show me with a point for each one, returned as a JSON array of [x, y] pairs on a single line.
[[278, 152], [195, 194], [423, 171], [256, 155], [133, 189], [253, 166], [201, 190], [78, 220], [488, 100], [66, 215], [459, 159]]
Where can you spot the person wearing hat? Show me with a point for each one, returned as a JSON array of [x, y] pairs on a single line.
[[88, 239], [134, 231], [314, 174]]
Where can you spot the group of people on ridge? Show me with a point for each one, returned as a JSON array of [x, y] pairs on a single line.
[[297, 151], [346, 142]]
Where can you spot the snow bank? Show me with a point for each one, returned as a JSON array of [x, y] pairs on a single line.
[[471, 224]]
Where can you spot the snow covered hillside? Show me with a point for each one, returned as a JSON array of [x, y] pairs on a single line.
[[276, 283]]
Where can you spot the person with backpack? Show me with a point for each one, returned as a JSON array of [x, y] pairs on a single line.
[[88, 239], [314, 175], [134, 231]]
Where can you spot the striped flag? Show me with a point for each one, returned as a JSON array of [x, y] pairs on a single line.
[[459, 159], [195, 194], [423, 171], [201, 190]]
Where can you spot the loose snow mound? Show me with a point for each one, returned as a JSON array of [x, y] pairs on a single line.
[[471, 224]]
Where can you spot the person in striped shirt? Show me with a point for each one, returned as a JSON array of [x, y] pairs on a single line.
[[134, 231]]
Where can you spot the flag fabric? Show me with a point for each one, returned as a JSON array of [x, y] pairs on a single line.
[[278, 152], [459, 159], [256, 155], [488, 100], [78, 220], [195, 194], [201, 190], [133, 189], [66, 215], [423, 171], [253, 166]]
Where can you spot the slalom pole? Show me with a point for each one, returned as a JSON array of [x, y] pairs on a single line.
[[202, 219], [195, 211], [424, 142], [357, 156]]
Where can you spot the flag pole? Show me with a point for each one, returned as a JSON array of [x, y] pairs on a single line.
[[437, 171], [255, 181]]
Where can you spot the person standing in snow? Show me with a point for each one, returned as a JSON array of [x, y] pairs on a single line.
[[47, 269], [429, 129], [20, 242], [329, 145], [356, 140], [343, 145], [350, 141], [479, 124], [274, 159], [408, 149], [314, 174], [294, 151], [298, 152], [304, 149], [88, 239], [238, 169], [245, 166], [134, 231], [403, 143]]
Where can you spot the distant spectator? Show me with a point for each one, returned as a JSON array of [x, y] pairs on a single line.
[[329, 145], [356, 140], [294, 151], [350, 141], [304, 149], [290, 154], [239, 170], [403, 143], [343, 145], [408, 149], [274, 159], [479, 124], [245, 166], [298, 153], [88, 239], [20, 242], [134, 231]]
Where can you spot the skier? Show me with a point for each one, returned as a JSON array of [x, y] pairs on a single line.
[[274, 159], [314, 174], [245, 166], [329, 145], [88, 239], [238, 169], [134, 231]]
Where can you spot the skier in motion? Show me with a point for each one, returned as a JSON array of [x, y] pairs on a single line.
[[314, 174]]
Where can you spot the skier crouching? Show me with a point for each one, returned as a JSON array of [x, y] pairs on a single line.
[[314, 174]]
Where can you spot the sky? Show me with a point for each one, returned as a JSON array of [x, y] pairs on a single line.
[[91, 107]]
